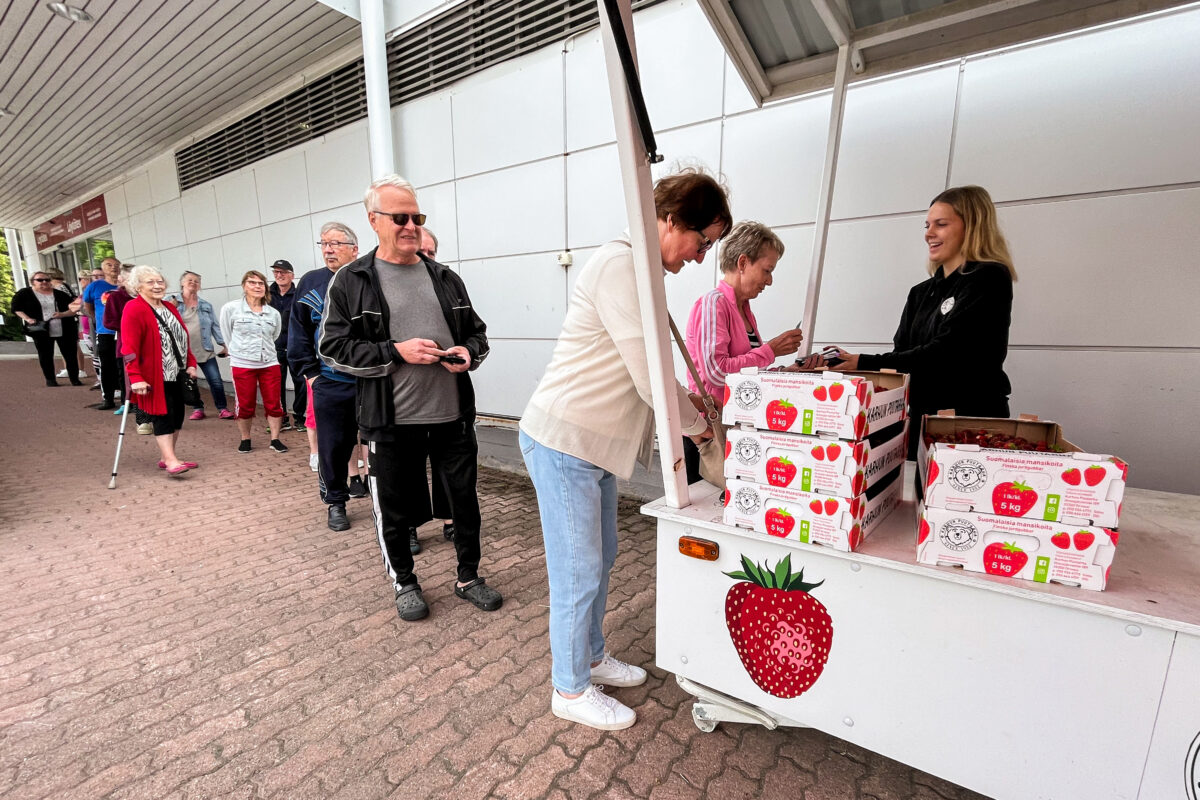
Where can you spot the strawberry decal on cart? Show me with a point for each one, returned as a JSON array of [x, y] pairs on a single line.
[[781, 632]]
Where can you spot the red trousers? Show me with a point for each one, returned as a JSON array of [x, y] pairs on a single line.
[[248, 383]]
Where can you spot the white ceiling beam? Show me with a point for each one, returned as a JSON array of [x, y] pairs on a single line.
[[937, 21], [737, 46]]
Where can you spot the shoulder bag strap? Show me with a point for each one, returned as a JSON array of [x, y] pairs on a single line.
[[165, 331], [709, 404]]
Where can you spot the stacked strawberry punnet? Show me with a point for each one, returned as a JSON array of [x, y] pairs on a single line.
[[814, 457]]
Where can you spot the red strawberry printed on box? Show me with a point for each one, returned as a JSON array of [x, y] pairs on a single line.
[[1094, 474], [1061, 540], [835, 391], [1083, 540], [1004, 558], [821, 393], [781, 415], [1013, 499], [779, 522], [780, 471], [782, 634]]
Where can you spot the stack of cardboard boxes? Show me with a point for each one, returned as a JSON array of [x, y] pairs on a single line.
[[814, 457]]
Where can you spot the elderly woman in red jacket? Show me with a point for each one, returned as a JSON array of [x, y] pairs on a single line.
[[154, 343]]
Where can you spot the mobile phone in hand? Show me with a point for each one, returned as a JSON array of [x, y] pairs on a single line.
[[450, 358]]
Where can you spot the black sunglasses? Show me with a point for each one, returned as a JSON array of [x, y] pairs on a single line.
[[402, 219], [41, 280]]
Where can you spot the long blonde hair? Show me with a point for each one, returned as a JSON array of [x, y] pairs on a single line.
[[982, 239]]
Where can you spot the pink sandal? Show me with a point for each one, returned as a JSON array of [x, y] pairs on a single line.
[[188, 464]]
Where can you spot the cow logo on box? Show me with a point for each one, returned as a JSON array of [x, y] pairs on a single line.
[[967, 475], [747, 395], [958, 535], [1191, 769], [747, 500], [748, 451], [947, 306]]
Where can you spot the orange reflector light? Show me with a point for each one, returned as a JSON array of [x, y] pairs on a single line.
[[702, 549]]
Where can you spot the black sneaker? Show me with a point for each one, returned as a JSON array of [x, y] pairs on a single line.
[[107, 405], [244, 446], [356, 487], [278, 446], [287, 424], [410, 603], [338, 521], [448, 531], [414, 544]]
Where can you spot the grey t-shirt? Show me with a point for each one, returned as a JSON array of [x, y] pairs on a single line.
[[422, 393]]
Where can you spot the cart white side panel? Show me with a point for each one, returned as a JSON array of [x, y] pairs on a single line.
[[1010, 697], [1173, 769]]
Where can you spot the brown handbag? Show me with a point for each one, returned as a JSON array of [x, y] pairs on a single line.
[[712, 451]]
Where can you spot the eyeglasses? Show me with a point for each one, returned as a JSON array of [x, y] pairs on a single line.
[[41, 280], [154, 282], [705, 242], [402, 219], [323, 245]]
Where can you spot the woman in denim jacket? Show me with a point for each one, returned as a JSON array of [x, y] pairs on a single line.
[[203, 331], [251, 326]]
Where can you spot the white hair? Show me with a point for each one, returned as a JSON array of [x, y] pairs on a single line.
[[371, 198], [345, 229], [139, 273]]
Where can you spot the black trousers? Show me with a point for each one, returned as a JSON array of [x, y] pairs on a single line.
[[337, 434], [111, 374], [401, 495], [45, 350], [168, 423], [299, 388]]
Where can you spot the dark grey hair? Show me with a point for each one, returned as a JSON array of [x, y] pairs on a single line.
[[748, 238]]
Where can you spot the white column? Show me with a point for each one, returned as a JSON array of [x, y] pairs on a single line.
[[14, 258], [647, 260], [379, 108], [33, 261]]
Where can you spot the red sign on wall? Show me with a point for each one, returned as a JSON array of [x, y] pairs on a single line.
[[90, 216]]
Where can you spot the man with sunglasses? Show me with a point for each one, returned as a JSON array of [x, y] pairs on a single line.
[[403, 325]]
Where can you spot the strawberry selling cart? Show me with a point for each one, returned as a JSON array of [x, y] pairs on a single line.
[[1015, 689]]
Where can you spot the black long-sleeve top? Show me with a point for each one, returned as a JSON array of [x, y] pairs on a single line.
[[952, 340]]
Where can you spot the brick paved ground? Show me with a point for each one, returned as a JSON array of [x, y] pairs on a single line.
[[210, 637]]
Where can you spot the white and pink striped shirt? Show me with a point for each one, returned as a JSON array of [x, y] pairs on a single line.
[[718, 341]]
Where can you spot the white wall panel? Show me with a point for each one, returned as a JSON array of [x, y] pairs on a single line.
[[164, 179], [1082, 264], [505, 382], [519, 297], [114, 203], [439, 205], [1139, 406], [895, 143], [693, 146], [354, 216], [737, 96], [682, 64], [339, 168], [423, 139], [517, 210], [208, 259], [282, 185], [588, 107], [1114, 109], [595, 198], [168, 222], [509, 114], [581, 257], [200, 213], [137, 193], [150, 258], [290, 240], [142, 232], [122, 239], [172, 262], [773, 160], [243, 251], [237, 201]]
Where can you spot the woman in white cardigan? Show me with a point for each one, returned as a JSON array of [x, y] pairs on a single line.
[[590, 419]]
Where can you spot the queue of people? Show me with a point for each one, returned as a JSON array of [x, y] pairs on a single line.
[[385, 342]]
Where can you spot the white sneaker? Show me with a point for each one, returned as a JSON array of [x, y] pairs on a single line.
[[312, 462], [62, 373], [145, 429], [612, 672], [593, 708]]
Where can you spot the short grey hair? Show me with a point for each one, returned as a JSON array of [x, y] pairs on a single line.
[[341, 227], [138, 274], [748, 238], [371, 198], [187, 272]]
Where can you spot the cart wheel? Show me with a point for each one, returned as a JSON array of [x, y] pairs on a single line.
[[702, 721]]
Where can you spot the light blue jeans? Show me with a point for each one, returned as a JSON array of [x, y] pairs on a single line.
[[578, 506]]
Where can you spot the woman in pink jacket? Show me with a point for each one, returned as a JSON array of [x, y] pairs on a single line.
[[722, 334]]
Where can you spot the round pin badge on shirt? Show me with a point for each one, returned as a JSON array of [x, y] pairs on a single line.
[[947, 304]]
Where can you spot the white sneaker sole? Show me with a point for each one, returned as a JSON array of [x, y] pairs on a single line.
[[603, 726], [617, 684]]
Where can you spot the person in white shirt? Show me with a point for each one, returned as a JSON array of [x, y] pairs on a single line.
[[250, 327]]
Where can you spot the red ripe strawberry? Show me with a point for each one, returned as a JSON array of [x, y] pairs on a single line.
[[832, 451], [933, 472], [835, 391], [1004, 559], [781, 632], [780, 415], [818, 453], [1094, 474], [1013, 499], [1084, 539], [819, 393], [831, 506], [1061, 540], [780, 471], [923, 531], [815, 506], [780, 522], [1072, 476]]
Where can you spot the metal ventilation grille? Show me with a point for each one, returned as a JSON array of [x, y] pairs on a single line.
[[466, 39]]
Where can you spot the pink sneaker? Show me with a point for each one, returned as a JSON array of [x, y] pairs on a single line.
[[226, 414], [197, 414]]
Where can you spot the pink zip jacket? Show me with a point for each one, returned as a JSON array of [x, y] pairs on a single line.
[[718, 342]]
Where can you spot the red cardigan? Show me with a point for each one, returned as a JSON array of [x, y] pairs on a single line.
[[141, 345]]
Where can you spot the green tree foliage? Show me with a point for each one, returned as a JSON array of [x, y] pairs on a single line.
[[12, 323]]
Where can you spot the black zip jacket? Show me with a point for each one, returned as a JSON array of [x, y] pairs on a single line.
[[952, 340], [355, 338]]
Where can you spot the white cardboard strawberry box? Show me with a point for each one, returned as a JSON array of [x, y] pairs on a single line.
[[1069, 486], [1013, 547], [846, 405], [838, 522], [811, 464]]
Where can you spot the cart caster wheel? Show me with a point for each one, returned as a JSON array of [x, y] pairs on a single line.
[[702, 721]]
